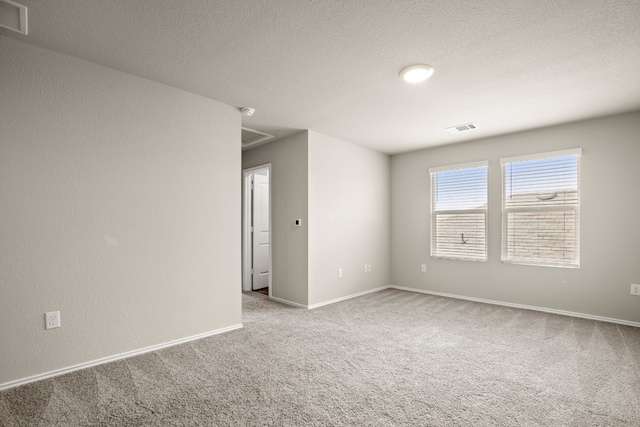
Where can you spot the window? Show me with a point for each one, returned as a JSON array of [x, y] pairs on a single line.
[[459, 212], [541, 209]]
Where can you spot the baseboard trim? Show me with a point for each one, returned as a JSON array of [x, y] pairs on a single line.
[[92, 363], [320, 304], [287, 302], [359, 294], [525, 307]]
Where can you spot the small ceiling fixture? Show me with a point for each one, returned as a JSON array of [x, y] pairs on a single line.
[[248, 111], [462, 128], [416, 73]]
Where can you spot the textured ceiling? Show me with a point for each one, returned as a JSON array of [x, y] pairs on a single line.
[[332, 66]]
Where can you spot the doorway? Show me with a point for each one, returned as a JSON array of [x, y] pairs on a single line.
[[256, 229]]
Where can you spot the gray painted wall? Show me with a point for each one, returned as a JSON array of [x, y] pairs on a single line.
[[341, 191], [610, 202], [289, 200], [349, 218], [120, 207]]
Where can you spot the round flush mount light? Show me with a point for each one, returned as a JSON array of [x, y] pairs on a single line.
[[416, 73], [248, 111]]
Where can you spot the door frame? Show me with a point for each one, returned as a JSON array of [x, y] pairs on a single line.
[[247, 243]]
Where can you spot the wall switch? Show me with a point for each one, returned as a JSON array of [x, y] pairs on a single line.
[[635, 289], [424, 268], [366, 268], [52, 320], [339, 272]]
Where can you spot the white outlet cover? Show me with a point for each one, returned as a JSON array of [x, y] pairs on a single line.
[[52, 320], [635, 289]]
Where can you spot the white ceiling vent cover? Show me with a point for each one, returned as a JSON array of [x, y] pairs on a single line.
[[252, 137], [462, 128], [13, 16]]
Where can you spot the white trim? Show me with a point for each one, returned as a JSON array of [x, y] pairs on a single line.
[[359, 294], [471, 165], [265, 136], [522, 306], [433, 213], [246, 225], [287, 302], [538, 156], [22, 10], [125, 355], [568, 208], [320, 304]]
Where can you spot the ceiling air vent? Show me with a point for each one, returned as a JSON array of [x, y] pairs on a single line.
[[462, 128], [13, 16], [252, 137]]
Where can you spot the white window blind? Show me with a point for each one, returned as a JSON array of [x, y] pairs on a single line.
[[541, 209], [459, 212]]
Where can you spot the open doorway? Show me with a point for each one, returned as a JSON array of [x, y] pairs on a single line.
[[256, 229]]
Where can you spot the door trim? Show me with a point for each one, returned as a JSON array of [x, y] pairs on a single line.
[[246, 227]]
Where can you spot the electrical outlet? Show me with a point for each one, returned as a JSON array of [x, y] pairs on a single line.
[[52, 320], [635, 289], [339, 272], [424, 268]]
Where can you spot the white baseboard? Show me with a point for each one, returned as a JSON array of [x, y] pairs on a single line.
[[287, 302], [320, 304], [359, 294], [525, 307], [113, 358], [34, 378]]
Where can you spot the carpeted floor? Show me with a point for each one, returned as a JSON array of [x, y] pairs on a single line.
[[263, 291], [390, 358]]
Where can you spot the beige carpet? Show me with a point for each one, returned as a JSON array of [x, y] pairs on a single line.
[[391, 358]]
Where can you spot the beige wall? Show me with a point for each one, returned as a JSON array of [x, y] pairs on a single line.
[[289, 200], [341, 191], [120, 207], [610, 202], [349, 218]]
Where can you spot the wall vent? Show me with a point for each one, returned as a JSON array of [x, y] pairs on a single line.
[[13, 16], [462, 128], [252, 137]]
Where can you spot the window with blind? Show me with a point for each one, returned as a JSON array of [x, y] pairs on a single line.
[[459, 212], [541, 209]]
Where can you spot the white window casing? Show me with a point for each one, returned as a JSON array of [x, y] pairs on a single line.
[[541, 209], [459, 211]]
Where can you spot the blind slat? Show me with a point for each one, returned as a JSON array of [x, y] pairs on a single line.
[[459, 213], [540, 216]]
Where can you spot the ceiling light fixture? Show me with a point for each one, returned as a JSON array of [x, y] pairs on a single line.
[[248, 111], [416, 73]]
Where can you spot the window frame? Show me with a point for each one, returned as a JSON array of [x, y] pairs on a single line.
[[576, 209], [433, 214]]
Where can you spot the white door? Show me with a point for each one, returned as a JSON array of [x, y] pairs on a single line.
[[260, 240]]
